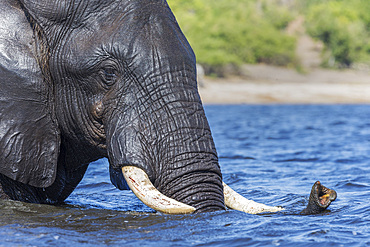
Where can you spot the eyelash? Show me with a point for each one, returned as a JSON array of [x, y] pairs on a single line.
[[109, 75]]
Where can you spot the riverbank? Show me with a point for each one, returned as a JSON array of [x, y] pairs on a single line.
[[263, 84]]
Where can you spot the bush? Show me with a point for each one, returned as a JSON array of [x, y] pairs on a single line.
[[343, 28], [224, 32], [233, 32]]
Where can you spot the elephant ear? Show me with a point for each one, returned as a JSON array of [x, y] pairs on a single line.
[[29, 135]]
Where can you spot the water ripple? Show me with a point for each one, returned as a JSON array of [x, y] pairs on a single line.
[[270, 154]]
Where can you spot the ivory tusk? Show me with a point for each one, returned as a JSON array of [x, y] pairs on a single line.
[[139, 183], [235, 201]]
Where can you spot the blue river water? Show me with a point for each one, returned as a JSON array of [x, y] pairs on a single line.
[[269, 153]]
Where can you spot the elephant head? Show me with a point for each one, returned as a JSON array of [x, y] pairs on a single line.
[[81, 80]]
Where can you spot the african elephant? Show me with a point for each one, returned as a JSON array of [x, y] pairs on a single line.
[[86, 79]]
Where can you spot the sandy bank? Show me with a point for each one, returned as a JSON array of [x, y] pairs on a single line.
[[262, 84]]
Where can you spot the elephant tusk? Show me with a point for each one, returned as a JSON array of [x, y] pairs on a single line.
[[139, 183], [235, 201]]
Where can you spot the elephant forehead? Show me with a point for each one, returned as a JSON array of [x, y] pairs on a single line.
[[138, 30], [137, 35]]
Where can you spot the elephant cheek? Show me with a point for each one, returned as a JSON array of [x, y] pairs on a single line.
[[124, 149]]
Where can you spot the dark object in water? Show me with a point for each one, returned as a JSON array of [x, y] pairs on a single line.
[[320, 199]]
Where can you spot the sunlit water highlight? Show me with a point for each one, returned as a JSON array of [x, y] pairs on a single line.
[[271, 154]]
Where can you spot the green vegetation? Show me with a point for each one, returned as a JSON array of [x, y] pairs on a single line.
[[224, 32], [234, 32], [344, 27]]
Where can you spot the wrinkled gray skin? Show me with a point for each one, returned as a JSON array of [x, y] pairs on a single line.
[[86, 79], [320, 199]]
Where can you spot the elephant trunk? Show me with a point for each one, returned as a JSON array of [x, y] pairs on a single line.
[[161, 129], [198, 183], [172, 144], [320, 199]]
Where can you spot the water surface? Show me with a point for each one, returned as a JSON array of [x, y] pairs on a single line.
[[269, 153]]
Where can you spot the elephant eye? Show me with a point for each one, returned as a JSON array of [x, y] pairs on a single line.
[[109, 75]]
